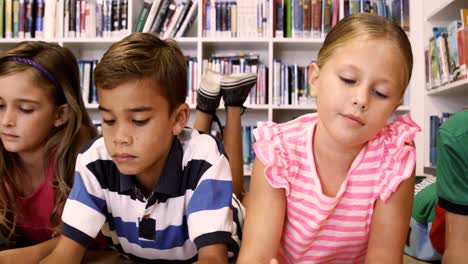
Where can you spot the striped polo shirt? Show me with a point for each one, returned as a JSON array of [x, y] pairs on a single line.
[[189, 208], [323, 229]]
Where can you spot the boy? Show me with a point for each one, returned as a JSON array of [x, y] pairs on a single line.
[[157, 190]]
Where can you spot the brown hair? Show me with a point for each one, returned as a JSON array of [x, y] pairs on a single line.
[[64, 141], [371, 26], [145, 56]]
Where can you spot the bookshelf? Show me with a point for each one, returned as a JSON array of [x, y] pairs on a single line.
[[299, 51], [448, 97]]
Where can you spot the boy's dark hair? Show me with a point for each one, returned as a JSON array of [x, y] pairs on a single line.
[[144, 56]]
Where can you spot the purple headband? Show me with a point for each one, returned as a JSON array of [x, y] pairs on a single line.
[[44, 71]]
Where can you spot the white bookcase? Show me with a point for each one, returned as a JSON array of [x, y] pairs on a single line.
[[289, 50], [451, 97]]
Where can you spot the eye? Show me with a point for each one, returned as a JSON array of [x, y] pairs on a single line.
[[26, 110], [140, 122], [347, 80], [379, 94], [108, 122]]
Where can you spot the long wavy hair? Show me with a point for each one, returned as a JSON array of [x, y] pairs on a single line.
[[64, 142]]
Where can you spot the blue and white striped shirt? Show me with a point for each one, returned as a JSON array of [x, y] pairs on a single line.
[[189, 208]]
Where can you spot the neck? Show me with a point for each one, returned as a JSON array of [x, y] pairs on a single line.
[[331, 150], [33, 161], [148, 179]]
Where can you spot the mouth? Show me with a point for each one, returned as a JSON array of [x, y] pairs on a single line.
[[355, 119], [9, 136], [123, 157]]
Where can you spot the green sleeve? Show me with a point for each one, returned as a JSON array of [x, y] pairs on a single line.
[[452, 171]]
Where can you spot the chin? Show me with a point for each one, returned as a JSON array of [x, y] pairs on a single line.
[[127, 170]]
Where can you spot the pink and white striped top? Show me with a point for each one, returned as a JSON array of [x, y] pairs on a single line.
[[319, 228]]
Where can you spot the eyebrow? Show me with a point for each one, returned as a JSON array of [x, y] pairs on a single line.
[[29, 101], [133, 110]]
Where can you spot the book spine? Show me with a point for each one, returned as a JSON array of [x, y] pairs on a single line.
[[21, 19], [123, 24], [2, 17], [39, 19], [158, 21], [16, 18]]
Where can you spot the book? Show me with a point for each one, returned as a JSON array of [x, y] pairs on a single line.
[[279, 18], [39, 25], [2, 23], [158, 21], [143, 15], [192, 13], [151, 15]]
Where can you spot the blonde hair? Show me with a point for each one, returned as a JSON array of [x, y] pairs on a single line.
[[370, 26], [63, 143], [145, 56]]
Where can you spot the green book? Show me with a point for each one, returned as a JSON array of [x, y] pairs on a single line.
[[2, 8], [288, 18]]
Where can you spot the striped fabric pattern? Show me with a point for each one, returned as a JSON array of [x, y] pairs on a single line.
[[323, 229], [190, 207]]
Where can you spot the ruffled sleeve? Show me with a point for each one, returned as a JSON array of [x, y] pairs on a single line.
[[270, 150], [399, 154]]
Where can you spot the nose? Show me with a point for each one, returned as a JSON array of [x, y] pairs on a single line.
[[360, 98], [122, 136], [8, 117]]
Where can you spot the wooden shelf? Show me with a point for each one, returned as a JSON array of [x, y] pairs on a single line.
[[453, 88]]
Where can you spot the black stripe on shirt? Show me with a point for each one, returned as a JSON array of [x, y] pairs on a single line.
[[452, 207], [136, 259], [219, 237], [76, 235]]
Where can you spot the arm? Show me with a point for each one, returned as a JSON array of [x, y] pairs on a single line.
[[212, 254], [264, 219], [66, 249], [31, 254], [389, 227], [456, 238]]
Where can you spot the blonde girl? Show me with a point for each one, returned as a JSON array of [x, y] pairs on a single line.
[[336, 186]]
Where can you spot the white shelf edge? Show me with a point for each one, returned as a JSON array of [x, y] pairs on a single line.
[[445, 4], [18, 40], [295, 107], [449, 87], [298, 40], [234, 40]]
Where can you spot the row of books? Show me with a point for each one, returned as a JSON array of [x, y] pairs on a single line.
[[394, 10], [290, 86], [235, 18], [25, 18], [315, 18], [446, 57], [168, 18], [81, 18], [95, 18], [248, 154], [192, 80], [227, 64], [435, 122], [88, 89]]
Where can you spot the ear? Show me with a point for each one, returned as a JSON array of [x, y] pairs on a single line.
[[180, 118], [62, 115], [313, 78]]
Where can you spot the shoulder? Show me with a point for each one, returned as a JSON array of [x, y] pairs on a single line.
[[288, 131], [198, 145], [456, 126], [398, 133], [95, 149]]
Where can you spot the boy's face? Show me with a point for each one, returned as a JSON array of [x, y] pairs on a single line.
[[137, 127]]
